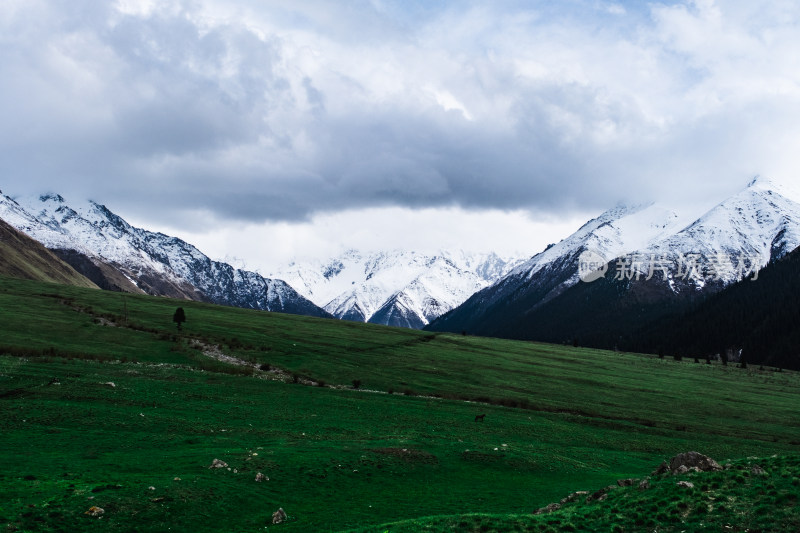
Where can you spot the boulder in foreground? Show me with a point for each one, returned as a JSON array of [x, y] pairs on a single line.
[[687, 462]]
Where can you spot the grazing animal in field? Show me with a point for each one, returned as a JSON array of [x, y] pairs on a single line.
[[480, 417]]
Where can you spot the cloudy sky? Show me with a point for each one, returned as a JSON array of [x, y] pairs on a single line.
[[271, 129]]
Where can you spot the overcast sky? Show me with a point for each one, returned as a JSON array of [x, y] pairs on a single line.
[[269, 129]]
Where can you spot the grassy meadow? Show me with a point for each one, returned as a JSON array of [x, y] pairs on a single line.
[[362, 425]]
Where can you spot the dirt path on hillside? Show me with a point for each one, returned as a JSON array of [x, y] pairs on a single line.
[[214, 351]]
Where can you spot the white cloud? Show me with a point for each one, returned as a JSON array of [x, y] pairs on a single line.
[[286, 112], [136, 7], [268, 246]]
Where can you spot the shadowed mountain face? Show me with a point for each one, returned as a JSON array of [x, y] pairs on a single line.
[[756, 319], [102, 274], [23, 257], [117, 256], [657, 266]]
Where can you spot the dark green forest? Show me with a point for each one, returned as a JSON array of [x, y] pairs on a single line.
[[759, 316]]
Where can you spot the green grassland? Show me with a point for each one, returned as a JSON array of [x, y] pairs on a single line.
[[753, 494], [558, 419]]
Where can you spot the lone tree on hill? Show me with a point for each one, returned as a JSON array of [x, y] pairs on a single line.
[[179, 317]]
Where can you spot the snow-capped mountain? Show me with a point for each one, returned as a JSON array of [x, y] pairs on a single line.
[[654, 252], [644, 244], [745, 232], [618, 231], [99, 243], [397, 288]]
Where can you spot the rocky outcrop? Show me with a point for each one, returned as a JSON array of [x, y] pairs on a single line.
[[549, 508], [687, 462], [681, 463], [216, 463], [600, 495], [279, 516]]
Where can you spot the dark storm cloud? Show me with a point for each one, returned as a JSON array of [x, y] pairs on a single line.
[[275, 112]]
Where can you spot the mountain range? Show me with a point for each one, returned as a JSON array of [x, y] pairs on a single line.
[[117, 256], [652, 263], [395, 288], [398, 288], [613, 283]]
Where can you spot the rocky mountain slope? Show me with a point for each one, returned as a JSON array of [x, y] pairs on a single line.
[[117, 256]]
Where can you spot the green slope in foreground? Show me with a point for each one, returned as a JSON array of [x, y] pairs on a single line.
[[753, 494], [557, 420]]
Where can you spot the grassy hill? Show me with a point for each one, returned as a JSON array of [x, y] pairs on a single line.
[[23, 257], [558, 419], [753, 494]]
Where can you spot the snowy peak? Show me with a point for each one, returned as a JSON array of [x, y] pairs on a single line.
[[97, 241], [618, 231], [760, 223], [15, 214], [753, 227], [761, 183], [659, 252], [397, 287], [83, 227]]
